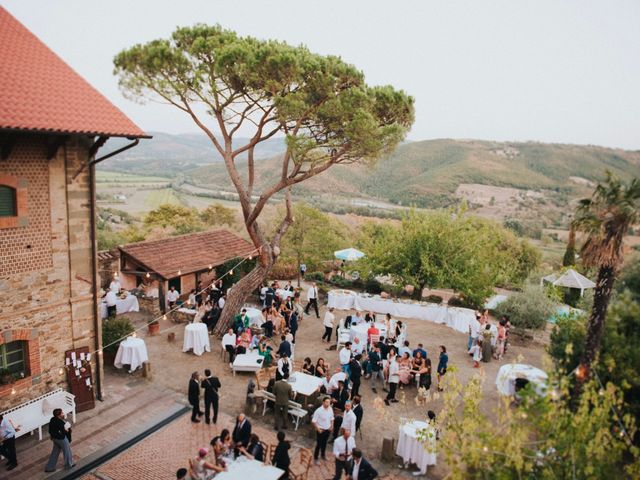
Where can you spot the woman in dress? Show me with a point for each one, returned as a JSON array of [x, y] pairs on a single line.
[[425, 374], [201, 469], [321, 368], [442, 365], [418, 364], [404, 365], [307, 367], [265, 352], [502, 335], [216, 452], [255, 450], [487, 351], [268, 324], [226, 445], [244, 341]]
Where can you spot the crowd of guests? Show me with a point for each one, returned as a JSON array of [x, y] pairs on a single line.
[[487, 340]]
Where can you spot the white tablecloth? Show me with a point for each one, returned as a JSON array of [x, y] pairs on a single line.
[[196, 337], [341, 299], [123, 305], [360, 331], [454, 317], [247, 362], [282, 293], [304, 384], [246, 469], [133, 352], [505, 381], [255, 316], [411, 450]]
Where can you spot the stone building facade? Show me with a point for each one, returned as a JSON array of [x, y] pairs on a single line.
[[52, 124]]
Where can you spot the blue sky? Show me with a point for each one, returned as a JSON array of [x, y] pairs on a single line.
[[551, 71]]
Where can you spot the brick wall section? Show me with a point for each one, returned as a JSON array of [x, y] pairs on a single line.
[[46, 290]]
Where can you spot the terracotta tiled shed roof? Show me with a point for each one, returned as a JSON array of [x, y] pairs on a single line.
[[40, 92], [188, 253]]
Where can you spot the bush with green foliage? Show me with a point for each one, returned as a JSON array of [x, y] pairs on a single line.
[[114, 330], [529, 309], [434, 299], [460, 301], [629, 278], [371, 285], [619, 358], [314, 277]]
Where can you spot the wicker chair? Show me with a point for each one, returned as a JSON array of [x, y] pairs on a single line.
[[300, 469]]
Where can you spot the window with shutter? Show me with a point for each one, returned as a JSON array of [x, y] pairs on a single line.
[[7, 201]]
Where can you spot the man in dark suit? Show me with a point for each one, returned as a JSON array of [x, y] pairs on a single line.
[[360, 468], [210, 385], [284, 348], [242, 431], [339, 396], [355, 368], [358, 410], [194, 397]]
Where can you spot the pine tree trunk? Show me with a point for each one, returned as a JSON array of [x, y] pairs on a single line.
[[238, 294], [595, 328]]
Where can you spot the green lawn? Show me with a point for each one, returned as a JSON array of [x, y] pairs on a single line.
[[155, 198]]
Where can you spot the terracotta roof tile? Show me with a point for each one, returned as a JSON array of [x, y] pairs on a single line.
[[188, 253], [40, 92]]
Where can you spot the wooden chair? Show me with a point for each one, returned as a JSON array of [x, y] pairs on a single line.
[[297, 365], [265, 450], [373, 340], [272, 453], [262, 379], [300, 470]]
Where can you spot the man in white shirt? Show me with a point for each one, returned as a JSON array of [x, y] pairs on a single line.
[[312, 297], [357, 318], [339, 376], [111, 299], [342, 450], [229, 344], [394, 379], [328, 322], [172, 296], [345, 357], [115, 286], [405, 349], [348, 422], [357, 348], [8, 441], [222, 300], [322, 421], [474, 328]]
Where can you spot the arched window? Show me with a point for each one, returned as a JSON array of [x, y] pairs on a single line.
[[8, 203]]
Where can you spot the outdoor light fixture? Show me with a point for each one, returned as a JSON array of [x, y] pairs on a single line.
[[148, 275], [179, 272]]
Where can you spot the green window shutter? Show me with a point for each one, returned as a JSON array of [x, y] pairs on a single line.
[[7, 201]]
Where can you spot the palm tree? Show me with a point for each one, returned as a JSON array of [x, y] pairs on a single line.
[[605, 218]]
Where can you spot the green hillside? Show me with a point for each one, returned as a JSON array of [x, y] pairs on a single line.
[[427, 173]]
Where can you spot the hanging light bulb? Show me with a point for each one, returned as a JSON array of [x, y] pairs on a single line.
[[61, 371], [13, 391], [148, 275], [250, 257], [134, 334], [164, 317], [99, 352], [210, 267], [231, 272], [179, 272]]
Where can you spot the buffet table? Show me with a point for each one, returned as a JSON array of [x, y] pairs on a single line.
[[196, 338], [133, 352], [412, 450], [123, 305], [454, 317]]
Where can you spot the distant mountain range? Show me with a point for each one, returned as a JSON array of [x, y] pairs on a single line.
[[425, 173], [167, 155]]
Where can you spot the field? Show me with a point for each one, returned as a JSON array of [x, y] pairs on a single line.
[[116, 178]]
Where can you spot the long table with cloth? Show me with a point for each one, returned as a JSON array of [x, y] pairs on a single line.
[[133, 352], [196, 338], [412, 450], [454, 317], [304, 384], [123, 305], [255, 316], [361, 331]]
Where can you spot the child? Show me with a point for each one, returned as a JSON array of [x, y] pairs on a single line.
[[476, 351]]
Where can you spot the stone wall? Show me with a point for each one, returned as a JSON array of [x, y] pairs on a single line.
[[46, 274]]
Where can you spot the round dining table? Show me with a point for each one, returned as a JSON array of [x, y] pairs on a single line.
[[196, 338], [413, 450], [133, 352]]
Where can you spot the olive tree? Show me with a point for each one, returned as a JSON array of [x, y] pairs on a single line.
[[230, 85]]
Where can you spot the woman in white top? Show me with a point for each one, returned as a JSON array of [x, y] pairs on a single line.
[[476, 351], [201, 469]]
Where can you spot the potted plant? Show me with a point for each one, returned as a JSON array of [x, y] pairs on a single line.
[[113, 332], [154, 328]]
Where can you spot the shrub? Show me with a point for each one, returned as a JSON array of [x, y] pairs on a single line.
[[529, 309], [284, 271], [434, 299], [459, 301], [372, 286], [314, 277], [341, 282], [113, 331]]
